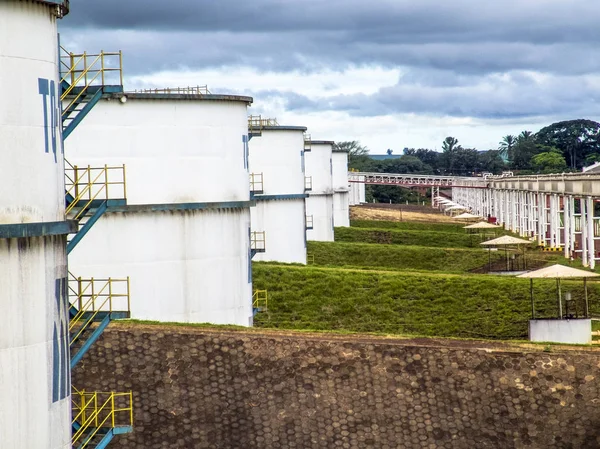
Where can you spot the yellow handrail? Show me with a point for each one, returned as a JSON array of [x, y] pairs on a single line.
[[92, 296], [308, 183], [84, 70], [256, 122], [307, 142], [260, 300], [256, 182], [309, 221], [95, 410], [258, 240], [86, 184], [190, 90]]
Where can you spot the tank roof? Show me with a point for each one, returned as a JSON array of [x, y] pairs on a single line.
[[323, 142], [284, 128], [63, 5], [180, 97]]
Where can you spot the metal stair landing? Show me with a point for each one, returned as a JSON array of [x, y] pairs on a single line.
[[99, 416], [256, 124], [258, 242], [91, 191], [93, 304], [260, 300], [85, 78]]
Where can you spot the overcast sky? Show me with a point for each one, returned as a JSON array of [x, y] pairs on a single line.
[[390, 73]]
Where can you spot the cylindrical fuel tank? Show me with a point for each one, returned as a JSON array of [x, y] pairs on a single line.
[[35, 408]]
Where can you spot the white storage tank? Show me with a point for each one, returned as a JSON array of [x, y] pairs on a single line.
[[184, 235], [35, 405], [319, 204], [341, 190], [278, 184]]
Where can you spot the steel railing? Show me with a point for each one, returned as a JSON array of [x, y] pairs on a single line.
[[190, 90], [256, 182], [258, 240], [308, 184], [307, 142], [80, 71], [309, 221], [96, 410], [86, 184], [92, 296], [260, 300], [257, 123]]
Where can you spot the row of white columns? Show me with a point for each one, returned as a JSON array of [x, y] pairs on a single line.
[[551, 218]]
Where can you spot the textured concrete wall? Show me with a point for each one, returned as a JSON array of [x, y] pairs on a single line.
[[199, 388]]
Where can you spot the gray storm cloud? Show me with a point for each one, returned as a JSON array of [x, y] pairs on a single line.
[[460, 58]]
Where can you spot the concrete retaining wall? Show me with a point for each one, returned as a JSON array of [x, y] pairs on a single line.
[[200, 388]]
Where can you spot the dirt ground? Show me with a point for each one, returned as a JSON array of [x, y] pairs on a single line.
[[398, 212]]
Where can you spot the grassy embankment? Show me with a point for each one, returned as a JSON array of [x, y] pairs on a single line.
[[405, 303], [368, 256], [409, 285]]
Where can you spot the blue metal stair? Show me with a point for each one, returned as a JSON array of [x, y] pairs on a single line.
[[81, 345], [77, 111], [88, 213]]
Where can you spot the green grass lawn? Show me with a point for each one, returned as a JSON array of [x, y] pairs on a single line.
[[400, 257], [476, 306], [368, 256], [409, 237], [409, 225]]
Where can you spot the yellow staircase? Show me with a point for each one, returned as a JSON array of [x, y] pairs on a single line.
[[85, 78], [260, 300], [99, 416], [90, 191], [93, 304]]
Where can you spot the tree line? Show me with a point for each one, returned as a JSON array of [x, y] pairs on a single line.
[[560, 147], [565, 146]]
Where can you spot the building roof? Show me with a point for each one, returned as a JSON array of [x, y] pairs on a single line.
[[594, 168], [558, 272], [64, 4]]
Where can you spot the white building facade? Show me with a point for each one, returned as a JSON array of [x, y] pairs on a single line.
[[277, 184], [35, 383], [183, 237], [341, 189], [319, 204]]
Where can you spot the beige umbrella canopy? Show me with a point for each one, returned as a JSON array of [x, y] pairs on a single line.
[[482, 225], [559, 272], [506, 240], [466, 216]]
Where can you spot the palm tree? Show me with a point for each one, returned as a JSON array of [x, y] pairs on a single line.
[[506, 146], [525, 136]]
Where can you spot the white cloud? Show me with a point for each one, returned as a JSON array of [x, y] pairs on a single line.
[[356, 80]]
